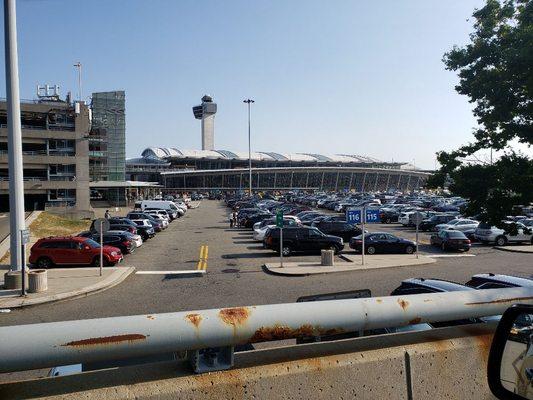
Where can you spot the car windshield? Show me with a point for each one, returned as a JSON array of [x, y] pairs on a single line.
[[92, 243]]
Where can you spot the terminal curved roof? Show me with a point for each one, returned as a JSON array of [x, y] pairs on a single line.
[[169, 153]]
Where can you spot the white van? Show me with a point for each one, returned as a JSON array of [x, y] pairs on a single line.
[[166, 205]]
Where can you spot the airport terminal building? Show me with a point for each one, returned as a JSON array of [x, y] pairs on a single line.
[[206, 170]]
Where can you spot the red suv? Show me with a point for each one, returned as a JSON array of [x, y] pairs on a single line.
[[71, 250]]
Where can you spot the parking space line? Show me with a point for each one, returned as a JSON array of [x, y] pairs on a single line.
[[449, 255], [175, 272]]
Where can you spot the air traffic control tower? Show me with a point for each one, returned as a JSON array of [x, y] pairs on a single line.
[[206, 112]]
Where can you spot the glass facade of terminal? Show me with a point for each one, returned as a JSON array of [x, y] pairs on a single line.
[[330, 179], [108, 136]]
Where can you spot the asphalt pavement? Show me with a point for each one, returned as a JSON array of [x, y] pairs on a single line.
[[235, 275]]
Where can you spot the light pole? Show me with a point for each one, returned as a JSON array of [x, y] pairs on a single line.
[[249, 102], [14, 138], [80, 94]]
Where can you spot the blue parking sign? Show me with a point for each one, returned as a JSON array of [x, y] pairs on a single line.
[[353, 216], [372, 216]]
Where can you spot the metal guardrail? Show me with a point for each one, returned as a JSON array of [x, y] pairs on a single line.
[[34, 346]]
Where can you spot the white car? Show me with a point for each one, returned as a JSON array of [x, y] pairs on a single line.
[[259, 233], [159, 218], [491, 234], [137, 239], [161, 213], [458, 224]]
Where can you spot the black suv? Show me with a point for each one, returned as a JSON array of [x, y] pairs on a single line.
[[302, 239], [339, 228]]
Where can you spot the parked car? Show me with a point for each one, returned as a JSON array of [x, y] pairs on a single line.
[[144, 228], [382, 242], [450, 240], [159, 218], [421, 285], [173, 208], [459, 224], [259, 232], [119, 239], [497, 281], [491, 234], [119, 224], [339, 228], [251, 219], [301, 239], [164, 214], [429, 224], [142, 215], [47, 252]]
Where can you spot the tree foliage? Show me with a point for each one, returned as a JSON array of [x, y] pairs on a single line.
[[496, 72]]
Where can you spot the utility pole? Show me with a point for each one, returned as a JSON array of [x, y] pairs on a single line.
[[14, 138], [249, 102], [80, 93]]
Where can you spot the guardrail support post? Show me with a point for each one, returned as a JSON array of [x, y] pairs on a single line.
[[212, 359]]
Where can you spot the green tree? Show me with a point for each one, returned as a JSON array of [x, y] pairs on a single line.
[[496, 72]]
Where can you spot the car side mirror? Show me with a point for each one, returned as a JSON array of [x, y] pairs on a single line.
[[510, 365]]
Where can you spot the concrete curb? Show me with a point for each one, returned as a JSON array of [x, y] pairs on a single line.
[[4, 245], [516, 249], [118, 276], [306, 269]]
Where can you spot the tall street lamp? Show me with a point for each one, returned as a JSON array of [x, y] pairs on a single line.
[[14, 139], [249, 102]]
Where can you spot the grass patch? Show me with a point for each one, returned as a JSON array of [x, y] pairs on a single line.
[[48, 224]]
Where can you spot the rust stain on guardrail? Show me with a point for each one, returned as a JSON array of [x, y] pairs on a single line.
[[106, 340], [234, 316], [194, 319], [403, 303], [415, 321], [282, 332], [500, 301]]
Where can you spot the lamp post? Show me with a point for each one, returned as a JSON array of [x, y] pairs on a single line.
[[249, 102], [14, 138]]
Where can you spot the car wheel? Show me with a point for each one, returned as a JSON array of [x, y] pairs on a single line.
[[409, 249], [371, 250], [96, 262], [501, 241], [286, 251], [44, 263], [388, 221]]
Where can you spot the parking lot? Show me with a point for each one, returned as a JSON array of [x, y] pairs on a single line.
[[235, 275]]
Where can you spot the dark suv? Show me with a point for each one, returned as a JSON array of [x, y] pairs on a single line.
[[302, 239], [120, 240], [338, 228]]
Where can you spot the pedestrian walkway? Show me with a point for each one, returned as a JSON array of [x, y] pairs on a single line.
[[65, 283]]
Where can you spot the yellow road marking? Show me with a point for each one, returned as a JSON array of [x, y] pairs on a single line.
[[202, 262]]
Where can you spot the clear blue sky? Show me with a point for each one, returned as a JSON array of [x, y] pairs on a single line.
[[360, 77]]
